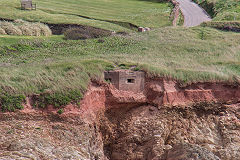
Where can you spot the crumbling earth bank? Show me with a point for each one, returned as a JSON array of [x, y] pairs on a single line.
[[165, 122]]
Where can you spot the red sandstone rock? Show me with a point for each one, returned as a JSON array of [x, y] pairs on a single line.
[[172, 94], [141, 29], [147, 29]]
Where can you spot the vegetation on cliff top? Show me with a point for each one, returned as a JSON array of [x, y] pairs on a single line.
[[59, 70], [51, 66]]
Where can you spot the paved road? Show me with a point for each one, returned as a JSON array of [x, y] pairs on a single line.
[[193, 14]]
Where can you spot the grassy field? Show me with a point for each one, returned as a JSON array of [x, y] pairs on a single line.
[[54, 65], [139, 12]]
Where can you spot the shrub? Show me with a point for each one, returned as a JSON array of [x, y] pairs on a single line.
[[56, 99], [123, 33], [21, 27], [223, 25], [10, 28], [98, 33], [26, 29], [11, 103], [2, 31], [35, 29], [19, 21], [44, 29], [76, 34], [85, 33], [225, 4]]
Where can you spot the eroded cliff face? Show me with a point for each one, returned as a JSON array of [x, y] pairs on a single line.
[[166, 121], [48, 137], [149, 133]]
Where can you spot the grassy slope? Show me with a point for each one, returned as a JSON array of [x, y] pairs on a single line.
[[231, 14], [139, 12], [54, 65], [225, 10]]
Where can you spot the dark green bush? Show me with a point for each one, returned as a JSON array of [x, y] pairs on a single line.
[[225, 4], [208, 6], [215, 7], [57, 99], [109, 67], [85, 33], [223, 25], [10, 103], [60, 111]]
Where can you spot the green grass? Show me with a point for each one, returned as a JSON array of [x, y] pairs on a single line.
[[227, 10], [59, 70], [53, 65], [139, 12]]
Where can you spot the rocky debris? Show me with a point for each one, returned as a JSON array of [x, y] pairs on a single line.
[[147, 29], [190, 152], [142, 29], [118, 98], [48, 140]]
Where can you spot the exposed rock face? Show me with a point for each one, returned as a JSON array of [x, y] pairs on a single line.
[[190, 152], [28, 137], [168, 92], [165, 122], [148, 133]]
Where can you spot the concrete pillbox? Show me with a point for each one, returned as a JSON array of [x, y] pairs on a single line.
[[126, 80]]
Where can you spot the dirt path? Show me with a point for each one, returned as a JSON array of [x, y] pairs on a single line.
[[193, 14]]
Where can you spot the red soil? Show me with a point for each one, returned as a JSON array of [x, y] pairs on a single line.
[[168, 92], [158, 92]]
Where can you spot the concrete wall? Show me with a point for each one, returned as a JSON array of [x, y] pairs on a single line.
[[113, 77], [126, 80]]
